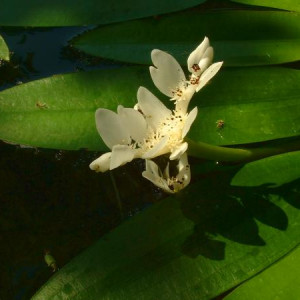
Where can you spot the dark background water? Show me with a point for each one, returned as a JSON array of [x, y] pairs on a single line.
[[50, 199]]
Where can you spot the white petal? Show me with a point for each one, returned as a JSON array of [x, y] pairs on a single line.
[[110, 128], [206, 60], [121, 154], [178, 152], [152, 167], [102, 163], [208, 74], [182, 105], [189, 121], [184, 170], [158, 149], [182, 163], [153, 109], [134, 121], [168, 74], [195, 57], [152, 173]]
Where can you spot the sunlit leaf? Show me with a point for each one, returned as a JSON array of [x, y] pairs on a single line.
[[195, 245], [4, 52], [292, 5], [280, 281], [68, 13], [239, 38], [256, 104], [269, 171]]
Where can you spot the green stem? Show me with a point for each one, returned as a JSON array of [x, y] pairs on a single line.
[[217, 153], [118, 198]]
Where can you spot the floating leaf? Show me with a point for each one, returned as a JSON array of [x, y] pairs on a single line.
[[292, 5], [65, 13], [195, 245], [239, 38], [269, 170], [256, 104], [58, 112], [280, 281], [4, 52]]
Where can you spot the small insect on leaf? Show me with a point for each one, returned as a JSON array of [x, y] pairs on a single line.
[[220, 124], [41, 105]]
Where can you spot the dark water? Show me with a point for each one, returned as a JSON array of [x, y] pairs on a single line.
[[50, 199]]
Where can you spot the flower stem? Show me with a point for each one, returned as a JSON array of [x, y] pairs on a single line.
[[118, 198], [218, 153]]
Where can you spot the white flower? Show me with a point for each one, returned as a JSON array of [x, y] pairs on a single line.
[[150, 129], [120, 132], [170, 184], [166, 129], [146, 132], [170, 79]]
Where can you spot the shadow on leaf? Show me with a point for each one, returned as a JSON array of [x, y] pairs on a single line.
[[220, 211]]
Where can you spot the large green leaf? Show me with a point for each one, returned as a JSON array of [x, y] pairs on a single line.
[[240, 38], [280, 281], [68, 13], [265, 171], [256, 104], [195, 245], [4, 52], [292, 5]]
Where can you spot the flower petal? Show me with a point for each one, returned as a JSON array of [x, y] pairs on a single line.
[[152, 167], [195, 57], [182, 105], [111, 128], [206, 60], [121, 154], [168, 74], [178, 152], [153, 174], [184, 170], [134, 121], [208, 74], [102, 163], [189, 121], [158, 149], [153, 109]]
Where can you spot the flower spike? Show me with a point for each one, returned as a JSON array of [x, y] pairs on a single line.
[[150, 129]]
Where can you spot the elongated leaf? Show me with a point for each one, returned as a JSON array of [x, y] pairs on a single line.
[[280, 281], [58, 112], [4, 52], [292, 5], [239, 38], [268, 170], [191, 246], [65, 13], [256, 104]]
